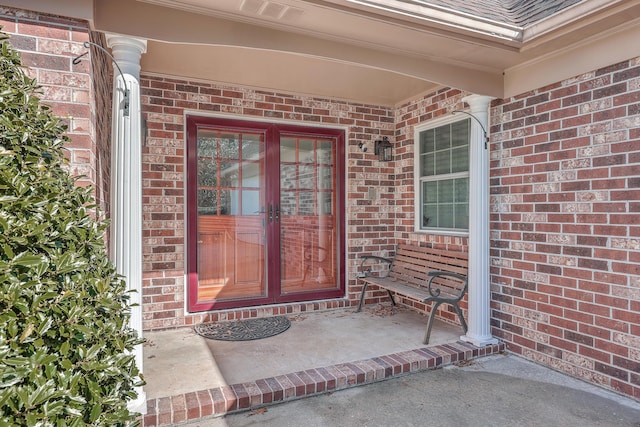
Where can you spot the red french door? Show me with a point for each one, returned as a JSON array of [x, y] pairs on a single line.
[[265, 216]]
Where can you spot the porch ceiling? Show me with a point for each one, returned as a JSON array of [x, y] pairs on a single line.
[[373, 51]]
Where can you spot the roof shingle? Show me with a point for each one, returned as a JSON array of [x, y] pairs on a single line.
[[520, 13]]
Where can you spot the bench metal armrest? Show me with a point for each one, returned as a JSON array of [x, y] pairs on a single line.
[[435, 293], [365, 272]]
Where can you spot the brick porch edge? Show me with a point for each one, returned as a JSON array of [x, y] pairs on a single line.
[[219, 401]]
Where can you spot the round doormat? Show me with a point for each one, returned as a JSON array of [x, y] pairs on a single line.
[[244, 330]]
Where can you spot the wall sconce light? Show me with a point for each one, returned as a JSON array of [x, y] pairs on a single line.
[[382, 149]]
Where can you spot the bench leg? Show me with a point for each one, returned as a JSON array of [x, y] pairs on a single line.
[[459, 311], [393, 301], [364, 289], [430, 321]]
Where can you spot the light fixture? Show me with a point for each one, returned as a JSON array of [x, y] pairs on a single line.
[[125, 99], [382, 149], [486, 137]]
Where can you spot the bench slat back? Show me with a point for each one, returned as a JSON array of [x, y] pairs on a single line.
[[412, 263]]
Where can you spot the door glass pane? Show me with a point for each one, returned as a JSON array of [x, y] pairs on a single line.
[[325, 203], [250, 174], [308, 224], [325, 152], [207, 202], [229, 146], [306, 176], [207, 172], [325, 178], [288, 177], [251, 147], [307, 152], [288, 203], [231, 249], [229, 174], [288, 150], [250, 202]]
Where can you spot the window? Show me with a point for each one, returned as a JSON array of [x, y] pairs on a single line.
[[442, 176]]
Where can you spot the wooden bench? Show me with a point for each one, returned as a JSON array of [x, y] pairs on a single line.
[[424, 274]]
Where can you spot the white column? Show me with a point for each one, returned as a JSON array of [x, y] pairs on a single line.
[[126, 181], [479, 332]]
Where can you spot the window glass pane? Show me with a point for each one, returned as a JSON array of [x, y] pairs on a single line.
[[430, 215], [460, 133], [306, 151], [250, 202], [445, 215], [306, 203], [443, 162], [229, 146], [430, 192], [445, 191], [427, 141], [287, 149], [251, 147], [428, 164], [443, 137], [460, 159], [461, 190], [461, 217]]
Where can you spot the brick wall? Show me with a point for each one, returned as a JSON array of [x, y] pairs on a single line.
[[565, 235], [370, 223], [48, 45]]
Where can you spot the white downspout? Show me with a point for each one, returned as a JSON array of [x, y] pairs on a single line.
[[479, 332], [126, 182]]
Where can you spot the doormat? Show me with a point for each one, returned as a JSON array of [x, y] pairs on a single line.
[[244, 330]]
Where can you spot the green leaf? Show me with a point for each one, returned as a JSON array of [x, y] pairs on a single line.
[[27, 259], [27, 332]]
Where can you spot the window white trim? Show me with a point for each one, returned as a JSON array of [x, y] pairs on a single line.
[[431, 124]]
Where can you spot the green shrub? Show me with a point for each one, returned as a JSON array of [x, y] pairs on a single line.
[[65, 343]]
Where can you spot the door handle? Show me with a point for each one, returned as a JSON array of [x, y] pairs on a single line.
[[277, 213]]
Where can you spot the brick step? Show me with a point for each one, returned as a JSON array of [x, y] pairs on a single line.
[[216, 402]]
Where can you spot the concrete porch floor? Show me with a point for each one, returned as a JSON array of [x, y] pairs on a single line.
[[180, 361], [191, 378]]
